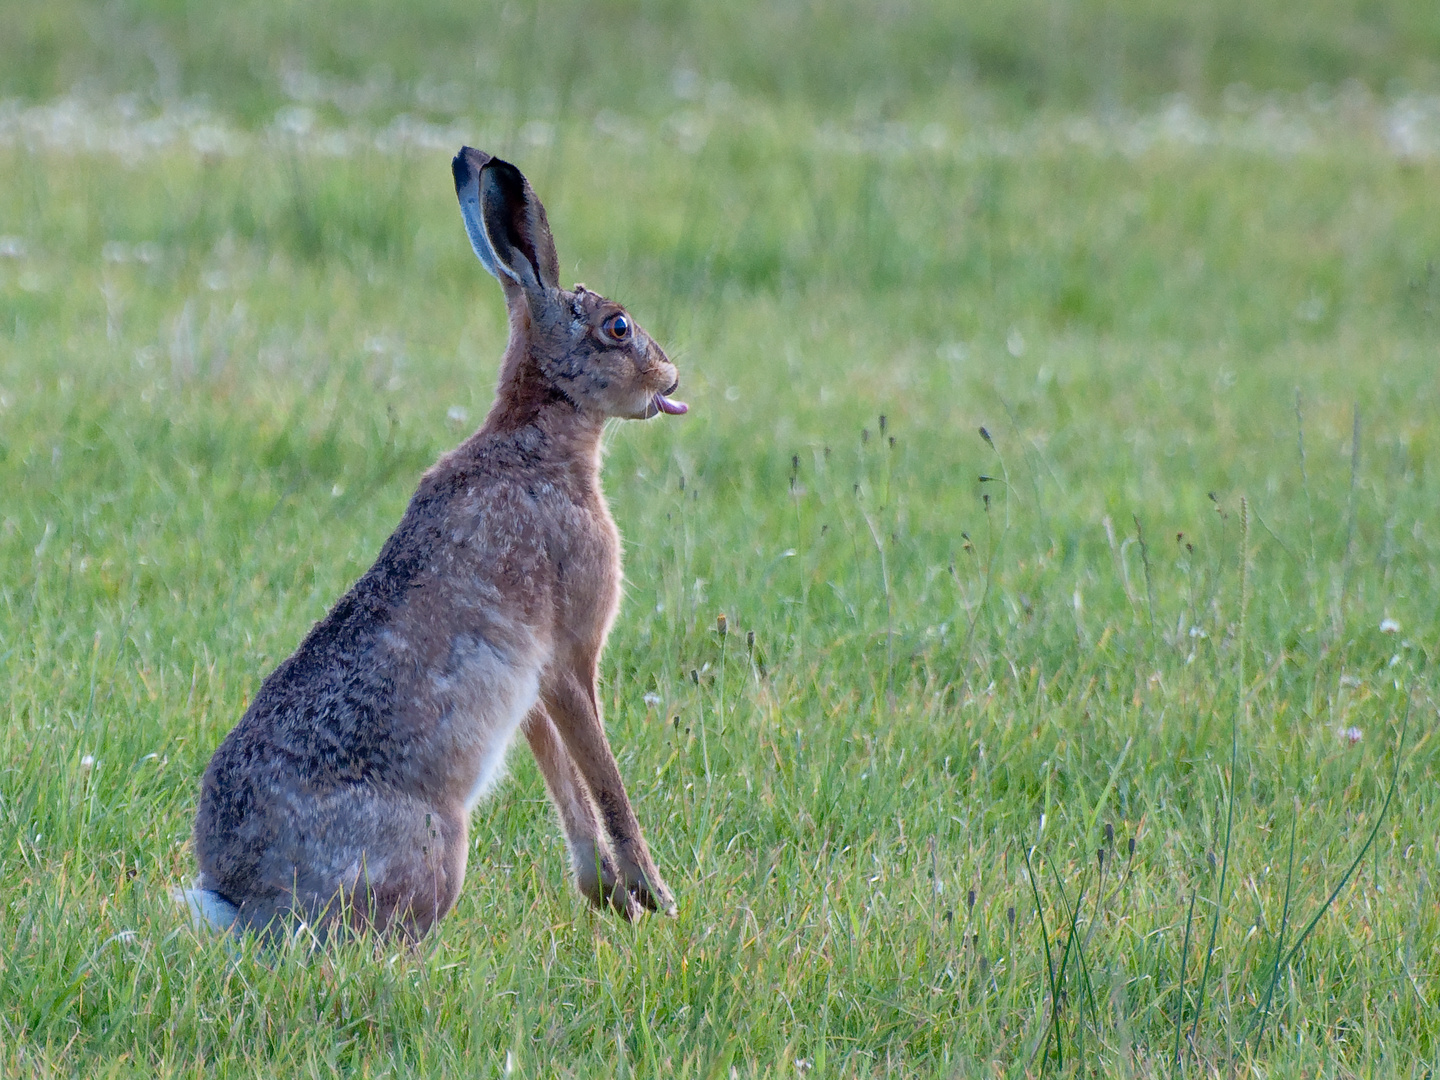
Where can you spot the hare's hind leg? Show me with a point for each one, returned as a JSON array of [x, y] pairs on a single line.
[[421, 886], [388, 862], [590, 854], [421, 880]]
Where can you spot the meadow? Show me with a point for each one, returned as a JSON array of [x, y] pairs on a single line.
[[1063, 459]]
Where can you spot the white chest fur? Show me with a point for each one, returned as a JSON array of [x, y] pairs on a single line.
[[479, 697], [507, 712]]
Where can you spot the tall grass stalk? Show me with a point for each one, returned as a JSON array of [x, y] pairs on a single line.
[[1180, 986], [1053, 1028], [1240, 705]]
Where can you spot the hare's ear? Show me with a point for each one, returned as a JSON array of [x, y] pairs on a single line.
[[499, 205], [516, 226], [466, 167]]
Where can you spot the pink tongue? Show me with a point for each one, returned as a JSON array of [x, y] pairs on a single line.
[[674, 408]]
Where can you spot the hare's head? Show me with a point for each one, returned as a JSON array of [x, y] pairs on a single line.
[[587, 348]]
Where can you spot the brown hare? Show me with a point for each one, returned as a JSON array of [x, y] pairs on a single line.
[[344, 793]]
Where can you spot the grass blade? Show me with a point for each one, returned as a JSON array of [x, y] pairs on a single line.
[[1184, 956], [1284, 920], [1049, 968]]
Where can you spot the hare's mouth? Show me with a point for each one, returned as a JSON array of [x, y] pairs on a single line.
[[661, 403]]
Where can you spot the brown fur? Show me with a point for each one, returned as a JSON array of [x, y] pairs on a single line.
[[347, 785]]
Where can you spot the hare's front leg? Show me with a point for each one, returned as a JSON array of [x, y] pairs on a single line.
[[594, 863], [570, 698]]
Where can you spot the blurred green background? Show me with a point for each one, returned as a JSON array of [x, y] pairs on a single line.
[[825, 56]]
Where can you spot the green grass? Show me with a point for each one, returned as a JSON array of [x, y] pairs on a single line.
[[222, 372]]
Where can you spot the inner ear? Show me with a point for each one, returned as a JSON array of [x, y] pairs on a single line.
[[516, 225]]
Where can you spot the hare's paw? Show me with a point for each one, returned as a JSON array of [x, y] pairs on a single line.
[[598, 882], [643, 880]]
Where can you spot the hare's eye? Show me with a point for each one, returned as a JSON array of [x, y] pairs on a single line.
[[618, 326]]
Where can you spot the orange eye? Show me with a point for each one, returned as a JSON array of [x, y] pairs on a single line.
[[618, 327]]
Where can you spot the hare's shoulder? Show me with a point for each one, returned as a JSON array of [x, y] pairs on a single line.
[[500, 490]]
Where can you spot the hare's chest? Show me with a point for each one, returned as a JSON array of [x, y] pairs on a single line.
[[588, 576]]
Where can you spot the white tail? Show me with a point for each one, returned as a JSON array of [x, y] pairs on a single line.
[[207, 908]]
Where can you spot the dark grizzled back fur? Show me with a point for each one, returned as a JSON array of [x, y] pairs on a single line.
[[323, 716]]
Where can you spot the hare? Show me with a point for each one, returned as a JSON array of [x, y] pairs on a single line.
[[343, 795]]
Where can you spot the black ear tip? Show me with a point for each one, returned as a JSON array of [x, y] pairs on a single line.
[[467, 165], [461, 169], [505, 173]]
